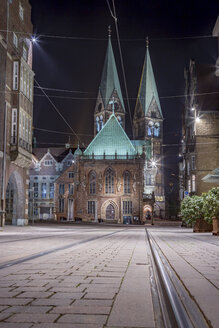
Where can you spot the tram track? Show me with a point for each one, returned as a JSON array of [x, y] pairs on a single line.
[[174, 307], [54, 250]]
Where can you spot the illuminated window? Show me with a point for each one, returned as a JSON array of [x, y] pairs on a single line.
[[43, 190], [61, 189], [21, 12], [109, 181], [15, 75], [25, 53], [92, 182], [127, 179], [61, 205], [127, 207], [193, 162], [193, 183], [51, 190], [156, 129], [71, 189], [91, 207], [14, 126], [15, 40], [97, 124]]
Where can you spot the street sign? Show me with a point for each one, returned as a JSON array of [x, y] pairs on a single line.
[[186, 193]]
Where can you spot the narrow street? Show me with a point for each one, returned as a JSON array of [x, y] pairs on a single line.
[[98, 276]]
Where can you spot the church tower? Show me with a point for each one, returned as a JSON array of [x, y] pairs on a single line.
[[109, 97], [148, 125]]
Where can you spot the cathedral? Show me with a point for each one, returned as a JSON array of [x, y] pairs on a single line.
[[114, 179]]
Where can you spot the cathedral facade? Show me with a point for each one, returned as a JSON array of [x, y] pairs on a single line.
[[117, 179], [114, 179]]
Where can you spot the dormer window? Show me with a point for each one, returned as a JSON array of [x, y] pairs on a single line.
[[21, 12], [48, 162], [69, 163]]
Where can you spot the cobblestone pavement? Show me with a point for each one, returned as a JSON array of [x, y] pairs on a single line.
[[195, 259], [103, 282]]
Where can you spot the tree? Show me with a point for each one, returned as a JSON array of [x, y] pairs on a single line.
[[192, 209], [211, 204]]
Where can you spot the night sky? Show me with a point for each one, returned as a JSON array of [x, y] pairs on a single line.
[[76, 64]]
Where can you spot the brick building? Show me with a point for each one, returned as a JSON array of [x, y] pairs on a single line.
[[200, 142], [16, 109]]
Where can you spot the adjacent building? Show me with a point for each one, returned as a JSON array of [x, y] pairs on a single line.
[[200, 134], [16, 109]]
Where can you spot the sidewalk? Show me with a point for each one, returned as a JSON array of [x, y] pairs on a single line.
[[195, 259]]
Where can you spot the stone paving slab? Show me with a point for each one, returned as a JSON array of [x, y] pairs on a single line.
[[32, 317], [83, 318], [65, 325], [80, 287]]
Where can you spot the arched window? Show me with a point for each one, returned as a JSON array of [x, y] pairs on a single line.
[[92, 182], [156, 129], [150, 128], [97, 124], [127, 178], [109, 181]]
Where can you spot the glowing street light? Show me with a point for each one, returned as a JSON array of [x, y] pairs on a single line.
[[197, 119]]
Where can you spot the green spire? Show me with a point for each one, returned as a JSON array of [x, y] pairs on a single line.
[[110, 79], [111, 140], [148, 90]]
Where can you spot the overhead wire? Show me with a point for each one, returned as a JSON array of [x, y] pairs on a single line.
[[51, 102], [60, 114], [122, 63], [38, 35], [130, 98]]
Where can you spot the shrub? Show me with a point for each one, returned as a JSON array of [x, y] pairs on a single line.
[[211, 204], [192, 209]]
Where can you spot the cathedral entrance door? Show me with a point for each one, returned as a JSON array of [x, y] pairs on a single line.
[[110, 212]]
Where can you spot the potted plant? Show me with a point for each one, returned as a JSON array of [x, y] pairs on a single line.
[[192, 213], [211, 208]]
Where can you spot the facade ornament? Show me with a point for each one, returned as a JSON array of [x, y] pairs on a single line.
[[119, 185], [83, 182], [100, 182]]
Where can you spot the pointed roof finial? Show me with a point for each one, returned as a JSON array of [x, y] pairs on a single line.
[[109, 31], [147, 42]]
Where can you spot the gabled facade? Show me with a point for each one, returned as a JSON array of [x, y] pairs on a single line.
[[46, 168]]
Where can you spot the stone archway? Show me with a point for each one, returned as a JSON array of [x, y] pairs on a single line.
[[110, 211], [147, 209], [15, 200]]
